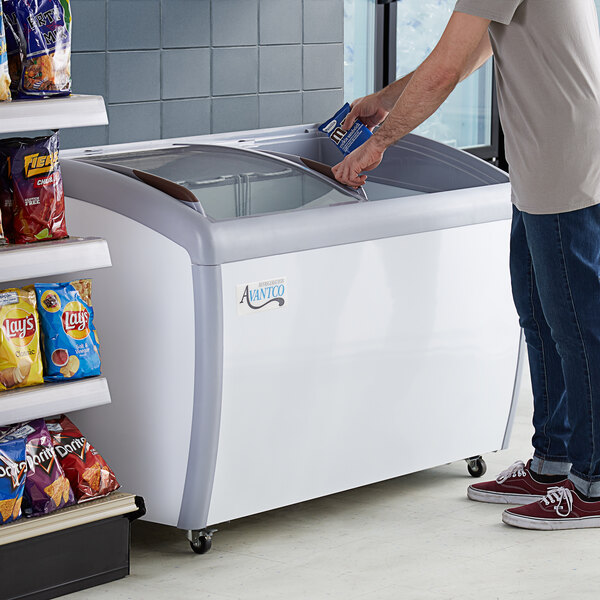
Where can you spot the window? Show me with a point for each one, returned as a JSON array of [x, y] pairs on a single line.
[[359, 48], [465, 119]]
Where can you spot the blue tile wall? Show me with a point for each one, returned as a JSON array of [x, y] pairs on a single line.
[[133, 76], [280, 21], [134, 122], [185, 73], [234, 22], [172, 68], [235, 71], [185, 23], [233, 113], [277, 110], [185, 117], [133, 24], [90, 16], [280, 68]]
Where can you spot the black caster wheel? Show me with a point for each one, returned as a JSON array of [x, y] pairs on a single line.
[[200, 540], [203, 545], [476, 466]]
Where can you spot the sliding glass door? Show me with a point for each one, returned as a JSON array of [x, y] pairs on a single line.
[[465, 119]]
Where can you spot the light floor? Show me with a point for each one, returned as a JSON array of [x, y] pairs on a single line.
[[414, 537]]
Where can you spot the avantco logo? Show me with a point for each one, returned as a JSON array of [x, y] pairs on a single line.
[[261, 295], [76, 320], [19, 327]]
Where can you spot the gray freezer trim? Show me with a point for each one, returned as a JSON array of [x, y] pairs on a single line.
[[215, 243], [208, 382], [516, 388]]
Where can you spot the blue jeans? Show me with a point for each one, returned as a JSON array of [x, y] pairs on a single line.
[[555, 274]]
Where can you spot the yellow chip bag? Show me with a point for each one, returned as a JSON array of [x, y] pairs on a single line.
[[20, 356]]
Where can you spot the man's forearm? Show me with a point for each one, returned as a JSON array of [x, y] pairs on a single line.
[[390, 93], [422, 96]]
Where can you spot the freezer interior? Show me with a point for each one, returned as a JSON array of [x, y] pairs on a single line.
[[231, 182]]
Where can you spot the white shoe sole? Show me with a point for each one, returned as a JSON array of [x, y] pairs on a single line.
[[499, 497], [549, 524]]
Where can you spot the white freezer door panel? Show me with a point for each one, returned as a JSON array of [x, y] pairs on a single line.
[[144, 314], [388, 357]]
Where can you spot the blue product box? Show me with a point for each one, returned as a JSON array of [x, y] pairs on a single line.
[[346, 141]]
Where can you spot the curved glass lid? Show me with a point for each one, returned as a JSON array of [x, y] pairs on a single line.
[[233, 182]]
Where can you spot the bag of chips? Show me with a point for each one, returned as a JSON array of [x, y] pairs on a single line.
[[13, 45], [4, 77], [20, 356], [46, 487], [45, 32], [6, 201], [69, 339], [13, 469], [89, 475], [7, 146], [37, 189]]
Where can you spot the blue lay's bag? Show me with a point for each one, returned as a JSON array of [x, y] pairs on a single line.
[[13, 472], [346, 141], [44, 30], [70, 344]]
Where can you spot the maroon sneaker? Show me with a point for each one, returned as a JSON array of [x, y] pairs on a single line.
[[516, 485], [561, 508]]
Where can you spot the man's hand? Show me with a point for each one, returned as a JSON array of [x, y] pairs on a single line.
[[371, 110], [364, 158]]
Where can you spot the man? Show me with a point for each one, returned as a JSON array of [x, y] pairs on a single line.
[[547, 60]]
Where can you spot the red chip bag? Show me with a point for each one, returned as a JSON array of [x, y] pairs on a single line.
[[86, 470], [38, 197]]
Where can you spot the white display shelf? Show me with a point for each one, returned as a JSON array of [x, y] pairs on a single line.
[[48, 399], [52, 113], [114, 505], [28, 261]]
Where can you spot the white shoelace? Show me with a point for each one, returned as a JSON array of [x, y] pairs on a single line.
[[557, 495], [517, 469]]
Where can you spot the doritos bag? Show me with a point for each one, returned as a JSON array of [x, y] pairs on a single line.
[[4, 77], [20, 356], [71, 347], [46, 487], [13, 469], [89, 475], [38, 197], [45, 32]]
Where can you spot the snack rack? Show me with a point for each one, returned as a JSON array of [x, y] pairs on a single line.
[[105, 520]]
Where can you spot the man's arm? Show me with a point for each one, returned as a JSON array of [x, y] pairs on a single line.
[[462, 49]]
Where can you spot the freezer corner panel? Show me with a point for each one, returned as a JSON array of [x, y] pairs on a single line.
[[145, 318], [206, 419]]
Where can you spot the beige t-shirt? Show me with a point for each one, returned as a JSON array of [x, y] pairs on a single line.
[[547, 60]]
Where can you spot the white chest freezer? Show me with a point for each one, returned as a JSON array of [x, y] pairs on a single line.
[[271, 337]]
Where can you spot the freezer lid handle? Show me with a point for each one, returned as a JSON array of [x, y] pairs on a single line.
[[165, 185]]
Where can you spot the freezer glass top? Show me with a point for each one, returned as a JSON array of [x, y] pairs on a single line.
[[231, 183]]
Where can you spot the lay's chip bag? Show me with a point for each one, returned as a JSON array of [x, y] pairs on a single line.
[[69, 339], [13, 471], [20, 356]]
